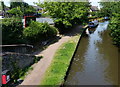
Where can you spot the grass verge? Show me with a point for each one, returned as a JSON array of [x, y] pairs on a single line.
[[56, 72]]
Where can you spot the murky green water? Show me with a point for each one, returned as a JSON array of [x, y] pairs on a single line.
[[96, 60]]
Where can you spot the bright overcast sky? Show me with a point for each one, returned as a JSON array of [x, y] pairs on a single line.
[[30, 2], [95, 2]]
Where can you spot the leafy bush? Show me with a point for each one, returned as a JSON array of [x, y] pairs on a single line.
[[39, 31], [12, 31], [115, 29]]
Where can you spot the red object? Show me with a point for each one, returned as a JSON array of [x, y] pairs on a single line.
[[26, 19], [4, 80]]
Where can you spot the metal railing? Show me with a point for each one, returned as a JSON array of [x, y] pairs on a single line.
[[19, 48]]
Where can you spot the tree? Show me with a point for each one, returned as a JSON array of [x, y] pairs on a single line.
[[16, 11], [11, 30], [66, 14], [111, 9], [20, 8], [29, 10], [2, 6], [16, 3]]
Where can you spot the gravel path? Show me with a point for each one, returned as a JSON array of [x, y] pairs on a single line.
[[39, 69]]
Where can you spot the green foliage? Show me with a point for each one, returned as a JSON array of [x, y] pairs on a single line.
[[115, 29], [37, 58], [29, 10], [39, 31], [12, 31], [16, 11], [112, 9], [2, 6], [92, 17], [20, 9], [109, 8], [99, 14], [18, 4], [19, 73], [23, 72], [15, 73], [93, 13], [66, 14], [45, 15]]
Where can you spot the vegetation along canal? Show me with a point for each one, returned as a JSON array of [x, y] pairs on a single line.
[[96, 60]]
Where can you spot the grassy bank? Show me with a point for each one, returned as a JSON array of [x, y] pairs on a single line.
[[57, 70]]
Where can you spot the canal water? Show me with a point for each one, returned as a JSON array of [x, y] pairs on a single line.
[[96, 60]]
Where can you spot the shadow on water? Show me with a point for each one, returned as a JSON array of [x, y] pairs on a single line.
[[76, 30], [96, 60]]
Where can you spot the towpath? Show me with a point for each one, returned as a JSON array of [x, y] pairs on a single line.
[[36, 75]]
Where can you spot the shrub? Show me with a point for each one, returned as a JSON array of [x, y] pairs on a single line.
[[115, 29], [12, 31], [39, 31]]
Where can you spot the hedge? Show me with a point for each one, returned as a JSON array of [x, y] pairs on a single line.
[[12, 31], [39, 31]]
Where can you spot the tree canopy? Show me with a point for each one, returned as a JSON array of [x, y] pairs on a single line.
[[109, 8], [21, 8], [66, 14], [16, 11], [112, 9]]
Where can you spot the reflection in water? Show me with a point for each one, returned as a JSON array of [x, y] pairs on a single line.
[[95, 62]]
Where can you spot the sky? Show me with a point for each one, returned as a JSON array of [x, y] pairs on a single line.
[[30, 2], [95, 3]]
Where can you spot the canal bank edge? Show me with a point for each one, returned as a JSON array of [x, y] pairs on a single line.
[[56, 72], [69, 67]]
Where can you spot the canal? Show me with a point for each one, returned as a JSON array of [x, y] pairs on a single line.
[[95, 61]]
